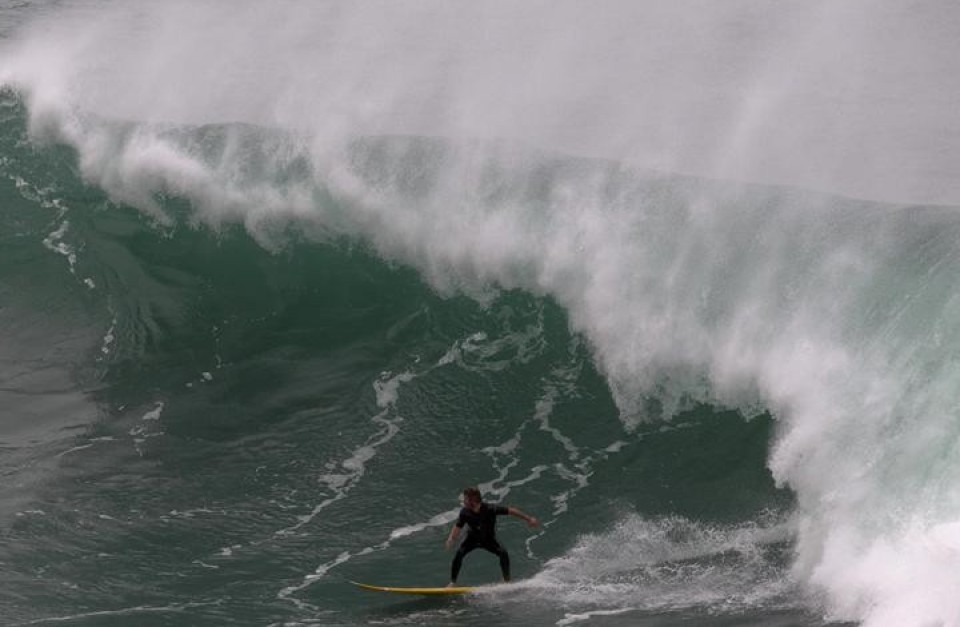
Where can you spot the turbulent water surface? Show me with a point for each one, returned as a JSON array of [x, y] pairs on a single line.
[[278, 280]]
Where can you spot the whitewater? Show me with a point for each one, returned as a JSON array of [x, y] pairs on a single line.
[[278, 280]]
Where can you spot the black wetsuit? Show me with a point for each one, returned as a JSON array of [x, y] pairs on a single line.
[[481, 534]]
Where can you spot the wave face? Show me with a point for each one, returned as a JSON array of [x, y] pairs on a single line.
[[278, 282]]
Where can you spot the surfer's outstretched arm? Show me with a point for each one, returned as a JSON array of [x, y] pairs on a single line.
[[530, 520]]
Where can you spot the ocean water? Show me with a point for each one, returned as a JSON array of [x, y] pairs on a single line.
[[278, 280]]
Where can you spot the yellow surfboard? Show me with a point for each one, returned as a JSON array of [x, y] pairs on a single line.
[[418, 591]]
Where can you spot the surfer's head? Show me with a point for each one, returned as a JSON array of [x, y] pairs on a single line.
[[472, 498]]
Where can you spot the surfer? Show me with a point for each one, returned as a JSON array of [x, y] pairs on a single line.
[[481, 521]]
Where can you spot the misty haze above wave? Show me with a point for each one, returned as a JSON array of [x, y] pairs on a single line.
[[855, 97]]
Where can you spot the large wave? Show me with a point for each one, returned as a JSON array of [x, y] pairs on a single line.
[[432, 136]]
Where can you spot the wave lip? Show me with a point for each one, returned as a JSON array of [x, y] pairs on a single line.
[[818, 95]]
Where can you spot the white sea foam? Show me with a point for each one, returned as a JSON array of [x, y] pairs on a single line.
[[173, 608], [670, 563], [339, 485], [147, 427], [570, 619]]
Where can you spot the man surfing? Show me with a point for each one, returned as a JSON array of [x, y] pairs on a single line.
[[481, 521]]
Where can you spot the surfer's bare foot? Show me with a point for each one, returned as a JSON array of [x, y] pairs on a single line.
[[451, 585]]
